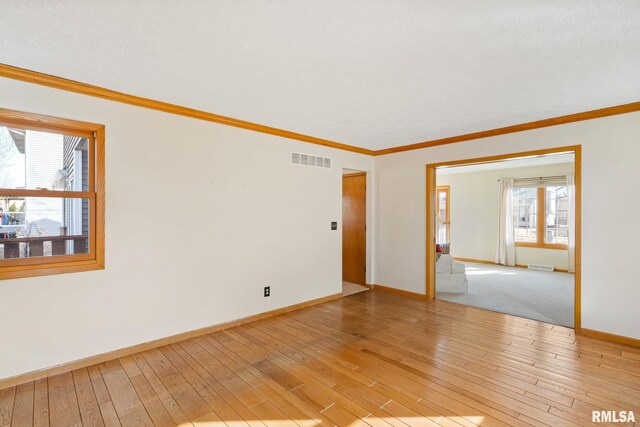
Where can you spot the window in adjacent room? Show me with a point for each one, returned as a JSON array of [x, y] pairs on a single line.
[[557, 215], [540, 216], [51, 195], [443, 210], [525, 214]]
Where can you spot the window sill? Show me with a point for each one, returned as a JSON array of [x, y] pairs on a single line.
[[49, 269], [542, 246]]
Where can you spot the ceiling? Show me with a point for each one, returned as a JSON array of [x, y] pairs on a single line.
[[548, 159], [370, 73]]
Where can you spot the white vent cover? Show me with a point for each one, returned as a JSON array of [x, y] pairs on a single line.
[[541, 267], [309, 160]]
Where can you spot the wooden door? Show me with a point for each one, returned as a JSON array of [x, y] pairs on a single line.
[[354, 219]]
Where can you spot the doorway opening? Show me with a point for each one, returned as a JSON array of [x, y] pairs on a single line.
[[503, 234], [354, 231]]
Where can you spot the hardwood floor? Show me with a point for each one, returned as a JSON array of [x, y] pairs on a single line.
[[352, 288], [373, 358]]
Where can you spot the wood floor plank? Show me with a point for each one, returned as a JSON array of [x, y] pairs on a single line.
[[7, 397], [99, 387], [109, 414], [325, 366], [297, 411], [307, 378], [225, 383], [271, 416], [452, 400], [63, 402], [277, 395], [41, 403], [203, 350], [156, 410], [366, 363], [374, 372], [23, 406], [371, 359], [167, 400], [202, 382], [341, 417], [276, 366], [345, 385], [529, 401], [189, 400], [87, 402], [126, 402]]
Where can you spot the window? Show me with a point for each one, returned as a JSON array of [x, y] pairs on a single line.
[[557, 215], [525, 214], [51, 195], [443, 212], [540, 216]]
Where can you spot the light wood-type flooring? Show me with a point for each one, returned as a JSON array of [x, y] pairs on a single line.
[[352, 288], [373, 358]]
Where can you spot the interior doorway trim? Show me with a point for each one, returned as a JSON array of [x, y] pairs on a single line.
[[347, 175], [431, 216]]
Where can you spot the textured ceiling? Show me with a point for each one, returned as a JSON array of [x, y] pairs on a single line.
[[369, 73]]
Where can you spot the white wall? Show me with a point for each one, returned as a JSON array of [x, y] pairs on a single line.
[[199, 218], [475, 198], [611, 152]]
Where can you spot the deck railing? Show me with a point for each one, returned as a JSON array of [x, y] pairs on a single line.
[[35, 246]]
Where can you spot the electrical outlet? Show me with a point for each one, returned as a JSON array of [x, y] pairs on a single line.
[[334, 225], [267, 291]]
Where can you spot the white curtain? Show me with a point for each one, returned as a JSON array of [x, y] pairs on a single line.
[[571, 193], [506, 251]]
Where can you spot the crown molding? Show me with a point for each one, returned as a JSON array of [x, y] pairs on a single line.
[[35, 77], [570, 118], [42, 79]]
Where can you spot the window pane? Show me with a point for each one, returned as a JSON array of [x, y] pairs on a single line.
[[32, 160], [525, 214], [442, 205], [442, 218], [557, 215], [43, 226]]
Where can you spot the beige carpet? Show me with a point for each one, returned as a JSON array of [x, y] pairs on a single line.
[[538, 295]]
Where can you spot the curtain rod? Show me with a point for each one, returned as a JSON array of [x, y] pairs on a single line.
[[540, 178]]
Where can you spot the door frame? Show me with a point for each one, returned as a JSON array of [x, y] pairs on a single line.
[[431, 217], [349, 175]]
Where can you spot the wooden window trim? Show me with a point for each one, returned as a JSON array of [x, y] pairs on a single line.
[[542, 245], [94, 260], [445, 189], [540, 226]]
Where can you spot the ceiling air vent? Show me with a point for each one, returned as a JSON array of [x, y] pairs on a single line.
[[309, 160]]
